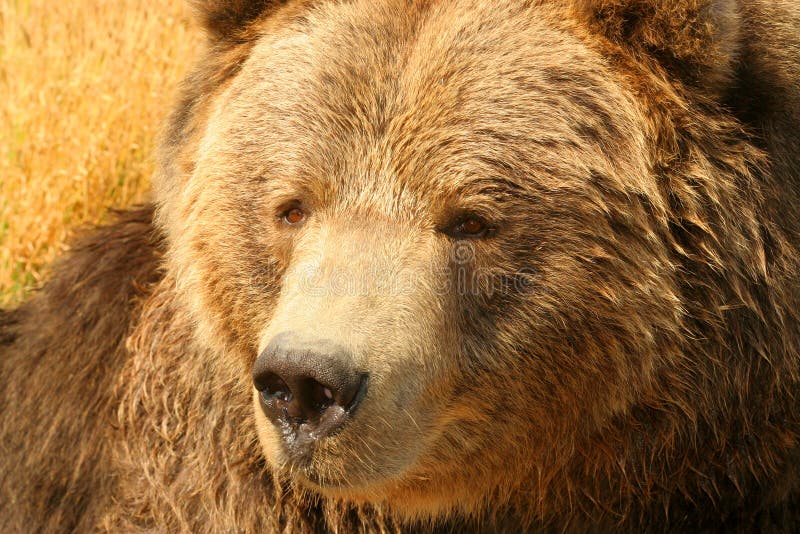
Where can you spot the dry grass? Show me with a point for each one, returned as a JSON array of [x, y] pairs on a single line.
[[84, 86]]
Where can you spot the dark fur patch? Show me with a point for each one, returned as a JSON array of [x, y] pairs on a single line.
[[59, 356], [696, 40], [226, 19]]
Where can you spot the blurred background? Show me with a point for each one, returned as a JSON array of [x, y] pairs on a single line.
[[84, 88]]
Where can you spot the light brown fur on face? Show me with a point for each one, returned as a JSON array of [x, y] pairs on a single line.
[[411, 150], [618, 349]]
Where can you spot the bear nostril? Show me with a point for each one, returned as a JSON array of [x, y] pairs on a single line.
[[272, 387], [319, 395]]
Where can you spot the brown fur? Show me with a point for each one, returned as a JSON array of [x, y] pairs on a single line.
[[639, 367]]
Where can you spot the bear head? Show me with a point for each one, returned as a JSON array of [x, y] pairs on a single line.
[[449, 238]]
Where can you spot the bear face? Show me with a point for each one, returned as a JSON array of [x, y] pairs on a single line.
[[387, 152], [455, 212]]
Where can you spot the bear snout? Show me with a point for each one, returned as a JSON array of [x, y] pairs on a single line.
[[307, 387]]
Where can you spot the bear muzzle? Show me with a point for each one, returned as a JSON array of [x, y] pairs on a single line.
[[308, 388]]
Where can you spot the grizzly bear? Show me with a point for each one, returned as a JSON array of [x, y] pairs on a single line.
[[436, 265]]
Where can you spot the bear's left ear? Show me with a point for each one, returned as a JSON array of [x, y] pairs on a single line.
[[696, 41], [227, 19]]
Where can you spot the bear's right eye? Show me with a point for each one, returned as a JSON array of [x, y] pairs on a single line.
[[469, 227], [472, 227], [294, 216]]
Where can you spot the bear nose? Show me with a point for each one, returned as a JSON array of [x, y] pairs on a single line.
[[309, 386]]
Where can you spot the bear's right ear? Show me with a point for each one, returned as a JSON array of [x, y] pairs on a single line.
[[228, 19], [696, 40]]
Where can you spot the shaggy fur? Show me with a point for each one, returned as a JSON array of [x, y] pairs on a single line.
[[624, 351]]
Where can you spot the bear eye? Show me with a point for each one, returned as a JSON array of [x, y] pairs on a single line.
[[473, 227], [470, 227], [294, 216]]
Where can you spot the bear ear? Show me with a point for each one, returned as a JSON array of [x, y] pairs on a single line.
[[228, 19], [695, 40]]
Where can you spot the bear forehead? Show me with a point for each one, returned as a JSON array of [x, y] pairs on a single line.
[[428, 100]]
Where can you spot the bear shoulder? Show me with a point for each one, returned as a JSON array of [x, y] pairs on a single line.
[[59, 354]]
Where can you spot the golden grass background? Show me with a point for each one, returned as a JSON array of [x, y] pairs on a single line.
[[84, 88]]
